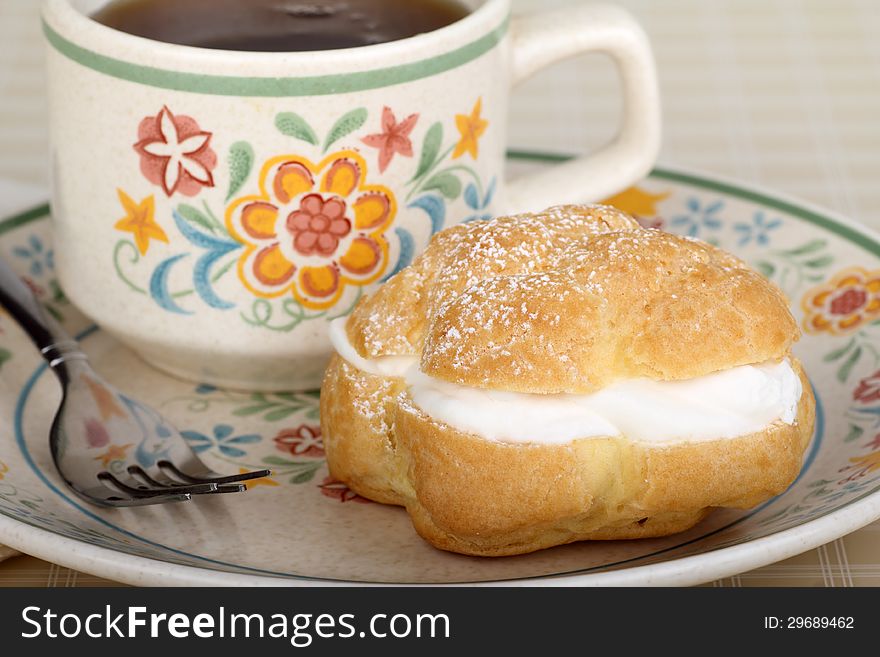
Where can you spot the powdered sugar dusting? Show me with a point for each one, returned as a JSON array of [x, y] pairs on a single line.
[[499, 295]]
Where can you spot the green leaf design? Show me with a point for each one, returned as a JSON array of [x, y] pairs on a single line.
[[445, 183], [281, 413], [347, 123], [293, 125], [56, 292], [244, 411], [298, 397], [5, 355], [430, 148], [241, 160], [809, 247], [854, 432], [816, 263], [840, 351], [263, 313], [277, 460], [766, 268], [54, 312], [195, 216], [303, 477], [846, 368]]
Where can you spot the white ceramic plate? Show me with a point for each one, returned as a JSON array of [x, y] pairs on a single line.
[[301, 528]]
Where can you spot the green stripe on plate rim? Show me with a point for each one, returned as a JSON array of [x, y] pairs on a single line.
[[853, 235], [22, 218], [867, 242], [318, 85]]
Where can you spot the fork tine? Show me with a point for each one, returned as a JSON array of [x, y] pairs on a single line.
[[152, 492], [114, 485], [229, 488], [68, 442], [105, 495], [168, 483], [216, 479], [138, 472]]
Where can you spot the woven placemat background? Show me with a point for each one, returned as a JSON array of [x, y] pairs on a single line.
[[783, 93]]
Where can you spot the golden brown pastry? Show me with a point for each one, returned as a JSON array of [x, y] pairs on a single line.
[[545, 378]]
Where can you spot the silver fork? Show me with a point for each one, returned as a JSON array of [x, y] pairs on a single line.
[[112, 450]]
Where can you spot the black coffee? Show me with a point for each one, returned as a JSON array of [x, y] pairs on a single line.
[[279, 25]]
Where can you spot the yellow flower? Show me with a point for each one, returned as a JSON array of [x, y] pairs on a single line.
[[865, 464], [312, 229], [471, 127], [3, 470], [637, 201], [262, 481], [138, 221], [113, 453], [848, 300], [870, 461]]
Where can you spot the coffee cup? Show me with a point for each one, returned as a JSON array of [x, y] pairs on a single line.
[[214, 210]]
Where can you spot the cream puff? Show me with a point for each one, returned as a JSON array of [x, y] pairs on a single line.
[[545, 378]]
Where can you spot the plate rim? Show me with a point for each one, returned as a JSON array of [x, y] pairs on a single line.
[[688, 570]]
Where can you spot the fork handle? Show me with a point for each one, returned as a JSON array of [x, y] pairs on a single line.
[[55, 345]]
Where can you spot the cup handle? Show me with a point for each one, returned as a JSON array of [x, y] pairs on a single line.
[[544, 38]]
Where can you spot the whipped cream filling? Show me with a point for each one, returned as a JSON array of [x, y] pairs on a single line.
[[734, 402]]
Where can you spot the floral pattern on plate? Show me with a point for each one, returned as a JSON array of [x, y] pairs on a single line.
[[298, 524]]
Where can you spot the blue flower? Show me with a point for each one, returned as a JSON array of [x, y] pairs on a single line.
[[222, 439], [699, 217], [474, 202], [41, 259], [757, 230]]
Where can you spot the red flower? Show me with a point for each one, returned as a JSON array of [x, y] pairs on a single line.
[[175, 153], [868, 389], [301, 441], [318, 225], [337, 490], [394, 137], [314, 229], [848, 301], [874, 444]]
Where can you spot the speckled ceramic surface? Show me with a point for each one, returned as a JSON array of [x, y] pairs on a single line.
[[300, 527], [255, 196]]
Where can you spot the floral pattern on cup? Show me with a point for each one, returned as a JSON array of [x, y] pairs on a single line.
[[470, 128], [309, 231], [850, 299], [394, 138], [312, 229], [175, 153], [139, 220]]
